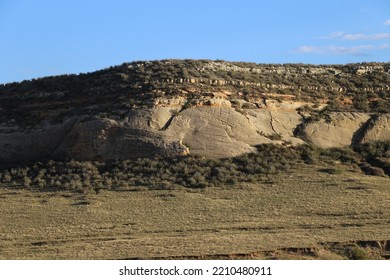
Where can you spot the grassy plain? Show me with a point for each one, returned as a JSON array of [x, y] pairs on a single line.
[[294, 214]]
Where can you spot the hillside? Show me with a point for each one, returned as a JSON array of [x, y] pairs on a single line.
[[176, 107], [196, 159]]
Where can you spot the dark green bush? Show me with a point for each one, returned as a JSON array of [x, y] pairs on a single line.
[[345, 155], [374, 149]]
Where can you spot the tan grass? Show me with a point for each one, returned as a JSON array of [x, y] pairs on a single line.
[[299, 209]]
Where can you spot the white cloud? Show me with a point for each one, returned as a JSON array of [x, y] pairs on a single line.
[[357, 36], [333, 35], [384, 46], [308, 49], [387, 22], [339, 50], [361, 36]]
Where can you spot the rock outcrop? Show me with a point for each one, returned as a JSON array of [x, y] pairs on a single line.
[[20, 145], [158, 109], [378, 129], [337, 131], [216, 130]]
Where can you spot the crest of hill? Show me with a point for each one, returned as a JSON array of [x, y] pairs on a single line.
[[148, 75], [360, 87]]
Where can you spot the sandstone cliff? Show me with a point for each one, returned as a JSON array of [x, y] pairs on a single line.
[[107, 119]]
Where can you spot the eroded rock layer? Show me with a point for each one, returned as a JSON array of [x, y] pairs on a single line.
[[211, 131], [213, 109]]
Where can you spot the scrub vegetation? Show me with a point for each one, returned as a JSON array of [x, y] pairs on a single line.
[[192, 171]]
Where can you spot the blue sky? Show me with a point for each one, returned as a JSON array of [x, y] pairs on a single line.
[[40, 38]]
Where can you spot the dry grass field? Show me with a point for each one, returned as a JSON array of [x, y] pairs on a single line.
[[297, 214]]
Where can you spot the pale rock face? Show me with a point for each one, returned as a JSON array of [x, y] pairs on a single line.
[[215, 132], [110, 140], [218, 102], [174, 101], [270, 122], [340, 131], [160, 117], [213, 129], [378, 129]]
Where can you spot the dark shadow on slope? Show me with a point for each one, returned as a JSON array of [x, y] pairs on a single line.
[[361, 132]]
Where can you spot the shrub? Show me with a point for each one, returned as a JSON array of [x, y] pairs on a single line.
[[308, 154], [373, 149], [345, 155], [187, 171], [331, 170], [357, 253], [7, 178], [372, 170]]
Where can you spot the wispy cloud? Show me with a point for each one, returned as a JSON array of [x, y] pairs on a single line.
[[358, 49], [357, 36], [340, 50], [333, 35], [384, 46]]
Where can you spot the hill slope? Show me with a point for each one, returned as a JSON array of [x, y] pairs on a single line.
[[175, 107]]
